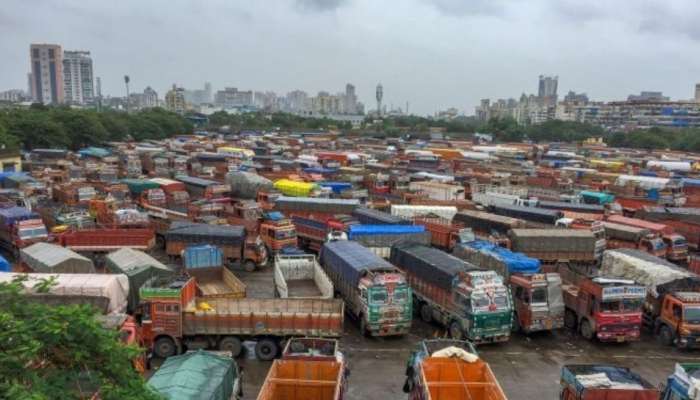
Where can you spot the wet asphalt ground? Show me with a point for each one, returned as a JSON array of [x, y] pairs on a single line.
[[526, 367]]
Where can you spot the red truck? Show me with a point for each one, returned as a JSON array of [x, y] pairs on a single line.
[[676, 245], [174, 319], [313, 232], [604, 382], [604, 308], [103, 240], [619, 236]]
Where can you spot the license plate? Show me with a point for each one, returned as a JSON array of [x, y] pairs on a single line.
[[620, 339]]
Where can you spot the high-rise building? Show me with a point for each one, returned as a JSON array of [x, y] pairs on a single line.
[[697, 92], [199, 96], [233, 98], [547, 89], [149, 98], [350, 99], [379, 95], [175, 100], [78, 81], [46, 62]]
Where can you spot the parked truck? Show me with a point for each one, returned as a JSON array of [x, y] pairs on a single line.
[[472, 304], [275, 230], [537, 297], [438, 190], [603, 382], [446, 369], [174, 319], [672, 307], [490, 196], [370, 216], [555, 245], [681, 384], [535, 217], [375, 292], [312, 232], [410, 212], [684, 221], [675, 245], [310, 368], [301, 276], [608, 309], [619, 236], [234, 241], [19, 228]]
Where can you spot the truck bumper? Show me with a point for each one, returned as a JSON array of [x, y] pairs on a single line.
[[688, 342], [546, 325], [389, 329], [504, 337], [619, 337]]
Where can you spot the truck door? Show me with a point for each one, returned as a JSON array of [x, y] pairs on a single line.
[[522, 306], [167, 319]]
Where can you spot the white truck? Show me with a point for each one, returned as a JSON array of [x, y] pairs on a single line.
[[490, 195], [301, 277], [410, 212]]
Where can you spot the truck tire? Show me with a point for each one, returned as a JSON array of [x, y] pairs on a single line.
[[231, 344], [266, 349], [249, 266], [587, 330], [665, 335], [456, 330], [164, 347], [570, 319], [426, 312]]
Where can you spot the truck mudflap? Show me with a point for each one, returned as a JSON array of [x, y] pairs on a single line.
[[489, 336]]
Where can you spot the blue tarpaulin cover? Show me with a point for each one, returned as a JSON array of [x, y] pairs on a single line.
[[516, 262], [351, 260], [336, 187], [320, 170], [10, 215], [366, 230], [691, 182], [5, 266]]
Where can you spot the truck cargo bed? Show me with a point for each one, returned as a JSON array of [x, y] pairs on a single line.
[[302, 380], [454, 379], [218, 282], [303, 288]]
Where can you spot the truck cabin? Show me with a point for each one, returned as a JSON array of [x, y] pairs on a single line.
[[31, 231], [384, 287], [267, 199], [677, 246], [615, 304], [481, 292], [277, 231], [538, 301], [683, 309], [655, 245]]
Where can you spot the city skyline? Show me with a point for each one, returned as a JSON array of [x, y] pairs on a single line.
[[454, 54]]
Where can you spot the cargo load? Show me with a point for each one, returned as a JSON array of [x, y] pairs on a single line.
[[555, 244], [641, 267], [380, 238], [47, 257], [139, 267], [437, 190], [203, 256], [295, 188], [198, 375], [410, 212], [487, 223], [194, 233], [371, 216], [624, 232], [575, 207], [246, 185], [291, 205], [531, 214], [109, 293], [598, 382], [434, 266], [489, 256], [301, 276]]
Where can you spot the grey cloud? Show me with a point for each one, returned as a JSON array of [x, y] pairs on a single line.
[[671, 21], [579, 12], [320, 5], [461, 8]]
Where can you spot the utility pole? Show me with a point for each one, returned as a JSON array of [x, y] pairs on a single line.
[[126, 82]]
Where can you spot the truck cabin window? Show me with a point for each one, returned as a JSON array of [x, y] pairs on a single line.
[[378, 296], [691, 315], [400, 294], [539, 296], [619, 306]]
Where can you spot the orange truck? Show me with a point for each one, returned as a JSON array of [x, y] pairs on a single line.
[[310, 368], [174, 319], [676, 245], [450, 370]]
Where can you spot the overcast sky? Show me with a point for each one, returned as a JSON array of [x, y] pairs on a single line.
[[434, 54]]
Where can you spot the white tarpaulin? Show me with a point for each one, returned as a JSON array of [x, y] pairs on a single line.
[[112, 287], [640, 267], [644, 182], [408, 211]]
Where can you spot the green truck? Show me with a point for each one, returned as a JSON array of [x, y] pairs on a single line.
[[471, 303]]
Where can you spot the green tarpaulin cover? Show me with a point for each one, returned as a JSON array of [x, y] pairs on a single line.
[[199, 375]]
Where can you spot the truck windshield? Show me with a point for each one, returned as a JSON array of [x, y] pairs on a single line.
[[657, 244], [691, 315], [680, 242], [30, 233], [378, 296], [620, 306], [400, 294], [539, 296], [285, 234]]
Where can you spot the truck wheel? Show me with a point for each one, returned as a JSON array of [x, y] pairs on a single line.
[[249, 266], [665, 335], [586, 330], [266, 349], [231, 344], [426, 313], [456, 330], [570, 319], [164, 347]]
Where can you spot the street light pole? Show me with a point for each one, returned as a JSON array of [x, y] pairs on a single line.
[[126, 82]]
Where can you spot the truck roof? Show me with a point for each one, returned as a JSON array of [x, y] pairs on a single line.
[[431, 264]]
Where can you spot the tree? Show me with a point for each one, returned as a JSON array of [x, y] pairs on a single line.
[[61, 352]]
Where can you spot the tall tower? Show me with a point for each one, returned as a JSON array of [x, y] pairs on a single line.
[[380, 95], [78, 79], [47, 73]]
